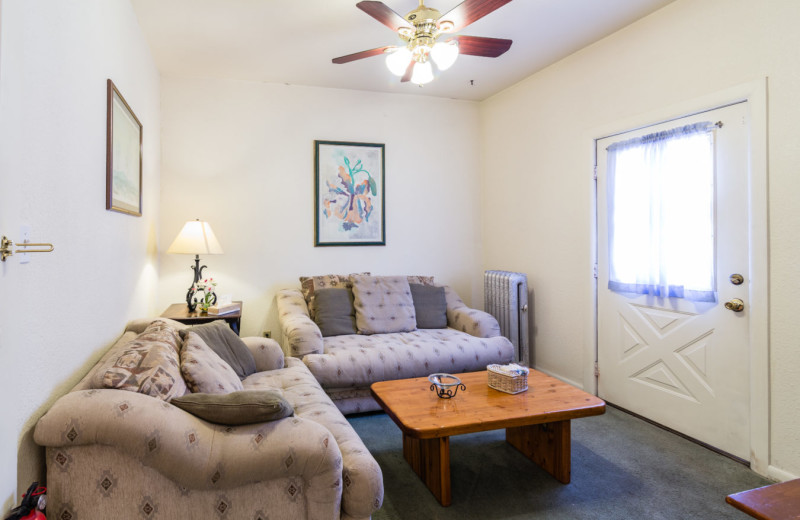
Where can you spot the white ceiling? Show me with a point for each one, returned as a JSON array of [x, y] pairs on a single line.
[[293, 41]]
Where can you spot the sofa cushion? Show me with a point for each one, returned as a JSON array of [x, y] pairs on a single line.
[[148, 364], [383, 304], [204, 370], [335, 314], [310, 284], [235, 408], [230, 347], [430, 306], [359, 361]]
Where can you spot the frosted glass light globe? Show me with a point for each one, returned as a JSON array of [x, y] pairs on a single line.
[[423, 73], [445, 54], [397, 61]]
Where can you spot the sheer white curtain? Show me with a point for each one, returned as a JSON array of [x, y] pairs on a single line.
[[661, 214]]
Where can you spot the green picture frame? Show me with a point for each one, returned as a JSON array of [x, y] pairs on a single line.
[[349, 194]]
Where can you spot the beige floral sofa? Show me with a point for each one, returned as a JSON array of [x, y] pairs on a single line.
[[125, 454], [347, 364]]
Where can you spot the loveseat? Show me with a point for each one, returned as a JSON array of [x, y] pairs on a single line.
[[349, 358], [113, 453]]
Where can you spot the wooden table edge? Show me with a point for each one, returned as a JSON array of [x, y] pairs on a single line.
[[773, 498], [742, 507], [598, 407]]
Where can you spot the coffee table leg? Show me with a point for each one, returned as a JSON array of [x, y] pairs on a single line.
[[548, 445], [430, 459]]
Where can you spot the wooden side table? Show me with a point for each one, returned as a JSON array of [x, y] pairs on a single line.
[[180, 313], [775, 502]]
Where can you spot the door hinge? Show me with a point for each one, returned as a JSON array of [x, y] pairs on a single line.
[[594, 270], [596, 369], [594, 174]]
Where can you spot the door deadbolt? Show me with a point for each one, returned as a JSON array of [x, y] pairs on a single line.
[[735, 305], [737, 279]]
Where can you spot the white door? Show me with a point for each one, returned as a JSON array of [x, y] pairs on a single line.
[[685, 364]]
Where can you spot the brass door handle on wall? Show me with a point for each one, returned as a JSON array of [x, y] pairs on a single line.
[[735, 305]]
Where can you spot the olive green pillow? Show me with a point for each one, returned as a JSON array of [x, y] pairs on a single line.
[[227, 344], [430, 306], [335, 314], [236, 408]]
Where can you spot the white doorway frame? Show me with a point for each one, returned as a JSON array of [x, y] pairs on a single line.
[[755, 94]]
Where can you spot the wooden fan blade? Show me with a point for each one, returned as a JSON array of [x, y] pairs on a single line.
[[361, 55], [470, 11], [480, 46], [409, 71], [384, 14]]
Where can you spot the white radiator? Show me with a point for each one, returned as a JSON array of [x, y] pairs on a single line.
[[506, 298]]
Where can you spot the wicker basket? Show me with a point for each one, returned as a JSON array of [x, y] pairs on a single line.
[[505, 382]]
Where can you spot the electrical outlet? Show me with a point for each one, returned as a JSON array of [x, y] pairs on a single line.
[[25, 236], [267, 333]]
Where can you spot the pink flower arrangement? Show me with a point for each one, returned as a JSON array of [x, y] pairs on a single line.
[[205, 291]]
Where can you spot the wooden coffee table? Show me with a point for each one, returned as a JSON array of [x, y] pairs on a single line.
[[537, 421], [774, 502]]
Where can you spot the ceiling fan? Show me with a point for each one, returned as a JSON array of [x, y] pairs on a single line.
[[425, 32]]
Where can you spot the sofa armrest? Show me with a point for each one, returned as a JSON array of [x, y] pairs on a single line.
[[195, 454], [266, 353], [301, 335], [472, 321]]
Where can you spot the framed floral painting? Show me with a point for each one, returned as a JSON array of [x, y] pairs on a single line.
[[349, 194]]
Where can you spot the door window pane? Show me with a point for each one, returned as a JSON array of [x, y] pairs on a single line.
[[661, 214]]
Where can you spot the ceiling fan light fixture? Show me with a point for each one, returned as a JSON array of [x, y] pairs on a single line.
[[398, 60], [423, 73], [419, 31], [444, 54]]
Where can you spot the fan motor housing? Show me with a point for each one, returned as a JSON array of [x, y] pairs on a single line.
[[424, 19]]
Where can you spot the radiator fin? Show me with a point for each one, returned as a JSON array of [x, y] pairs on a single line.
[[506, 298]]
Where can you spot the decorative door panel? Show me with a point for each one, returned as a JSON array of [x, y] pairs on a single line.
[[685, 364]]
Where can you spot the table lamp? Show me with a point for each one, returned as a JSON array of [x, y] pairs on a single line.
[[195, 238]]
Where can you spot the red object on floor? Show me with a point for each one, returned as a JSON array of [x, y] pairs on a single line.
[[34, 515]]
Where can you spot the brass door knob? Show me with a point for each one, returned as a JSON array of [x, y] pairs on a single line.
[[735, 305]]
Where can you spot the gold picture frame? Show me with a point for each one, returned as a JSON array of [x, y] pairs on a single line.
[[123, 156]]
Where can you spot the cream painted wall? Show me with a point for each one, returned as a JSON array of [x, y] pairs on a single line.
[[241, 156], [59, 311], [538, 134]]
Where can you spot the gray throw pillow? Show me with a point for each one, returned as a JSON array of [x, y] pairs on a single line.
[[335, 314], [230, 347], [430, 306], [236, 408]]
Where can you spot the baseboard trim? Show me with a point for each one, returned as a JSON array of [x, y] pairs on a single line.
[[564, 379], [779, 474], [684, 436]]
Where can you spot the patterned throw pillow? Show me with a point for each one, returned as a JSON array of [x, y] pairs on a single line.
[[309, 284], [383, 304], [204, 370], [148, 364], [421, 280]]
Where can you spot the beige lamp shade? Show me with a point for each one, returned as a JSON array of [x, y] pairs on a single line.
[[196, 238]]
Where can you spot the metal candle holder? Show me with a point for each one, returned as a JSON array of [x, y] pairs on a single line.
[[445, 385]]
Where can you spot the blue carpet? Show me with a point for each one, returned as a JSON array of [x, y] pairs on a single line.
[[622, 468]]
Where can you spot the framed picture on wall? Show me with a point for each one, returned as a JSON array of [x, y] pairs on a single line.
[[349, 202], [123, 156]]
